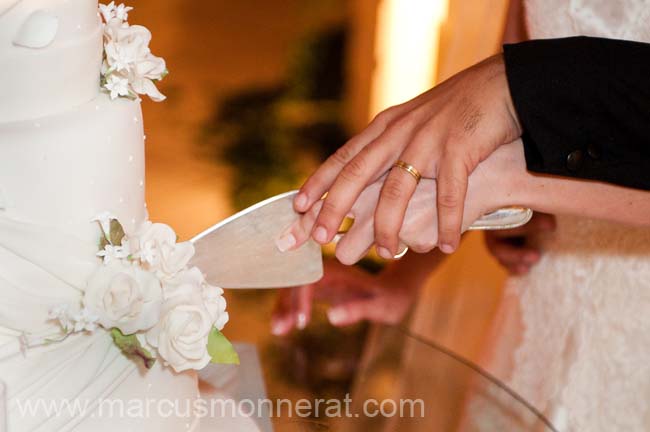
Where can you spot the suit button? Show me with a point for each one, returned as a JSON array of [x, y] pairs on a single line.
[[574, 160], [593, 151]]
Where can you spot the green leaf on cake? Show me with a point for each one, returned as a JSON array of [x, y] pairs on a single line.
[[130, 346], [116, 233], [220, 349]]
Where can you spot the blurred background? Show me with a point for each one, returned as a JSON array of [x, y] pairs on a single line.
[[261, 91]]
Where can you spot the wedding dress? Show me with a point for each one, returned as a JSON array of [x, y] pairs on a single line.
[[573, 336]]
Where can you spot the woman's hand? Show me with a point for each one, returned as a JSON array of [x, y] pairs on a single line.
[[513, 248], [352, 295], [444, 133]]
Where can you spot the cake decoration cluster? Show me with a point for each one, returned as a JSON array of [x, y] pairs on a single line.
[[128, 68], [154, 304]]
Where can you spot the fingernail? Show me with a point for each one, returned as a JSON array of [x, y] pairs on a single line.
[[277, 329], [301, 201], [447, 248], [285, 242], [336, 315], [320, 234], [301, 321], [384, 253]]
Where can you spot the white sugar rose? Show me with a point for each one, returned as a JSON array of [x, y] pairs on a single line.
[[181, 336], [216, 305], [124, 296], [154, 244]]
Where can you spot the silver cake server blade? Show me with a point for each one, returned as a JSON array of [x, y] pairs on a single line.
[[240, 251], [505, 218]]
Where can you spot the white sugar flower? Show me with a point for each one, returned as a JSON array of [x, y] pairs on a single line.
[[117, 86], [122, 12], [128, 57], [61, 314], [110, 11], [216, 304], [107, 11], [154, 244], [124, 296], [85, 320], [181, 335], [110, 253]]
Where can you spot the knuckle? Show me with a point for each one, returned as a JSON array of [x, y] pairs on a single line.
[[393, 190], [449, 200], [405, 122], [354, 169], [423, 245], [328, 212], [342, 155], [384, 117]]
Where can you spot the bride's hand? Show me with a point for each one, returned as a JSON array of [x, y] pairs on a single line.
[[489, 188], [352, 295], [444, 133]]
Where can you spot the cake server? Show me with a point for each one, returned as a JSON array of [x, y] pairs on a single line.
[[240, 251]]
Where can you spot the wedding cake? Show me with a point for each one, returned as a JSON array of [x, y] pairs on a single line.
[[103, 321]]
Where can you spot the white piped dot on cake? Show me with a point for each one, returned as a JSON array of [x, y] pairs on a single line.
[[135, 119], [121, 200], [130, 159], [141, 185]]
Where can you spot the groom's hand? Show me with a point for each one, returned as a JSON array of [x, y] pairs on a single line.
[[444, 133]]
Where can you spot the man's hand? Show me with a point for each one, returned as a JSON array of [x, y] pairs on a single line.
[[444, 133], [513, 249]]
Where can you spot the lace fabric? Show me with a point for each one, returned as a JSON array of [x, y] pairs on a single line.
[[576, 342]]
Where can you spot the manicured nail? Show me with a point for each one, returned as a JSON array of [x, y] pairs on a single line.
[[384, 253], [447, 248], [301, 321], [285, 242], [301, 201], [336, 315], [320, 234]]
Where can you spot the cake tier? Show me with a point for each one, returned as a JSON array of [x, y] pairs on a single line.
[[63, 170], [57, 72], [56, 174], [86, 384]]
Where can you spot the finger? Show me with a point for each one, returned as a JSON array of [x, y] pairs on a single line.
[[363, 169], [282, 317], [396, 194], [420, 228], [303, 299], [321, 180], [349, 313], [356, 243], [452, 188], [509, 255], [300, 231]]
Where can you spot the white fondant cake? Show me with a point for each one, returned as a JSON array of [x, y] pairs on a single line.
[[69, 152]]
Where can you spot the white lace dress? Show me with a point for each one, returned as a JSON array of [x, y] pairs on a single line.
[[573, 336]]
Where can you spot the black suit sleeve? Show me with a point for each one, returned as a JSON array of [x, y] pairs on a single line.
[[584, 105]]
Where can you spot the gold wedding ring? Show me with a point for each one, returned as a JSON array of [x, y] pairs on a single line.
[[409, 169]]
